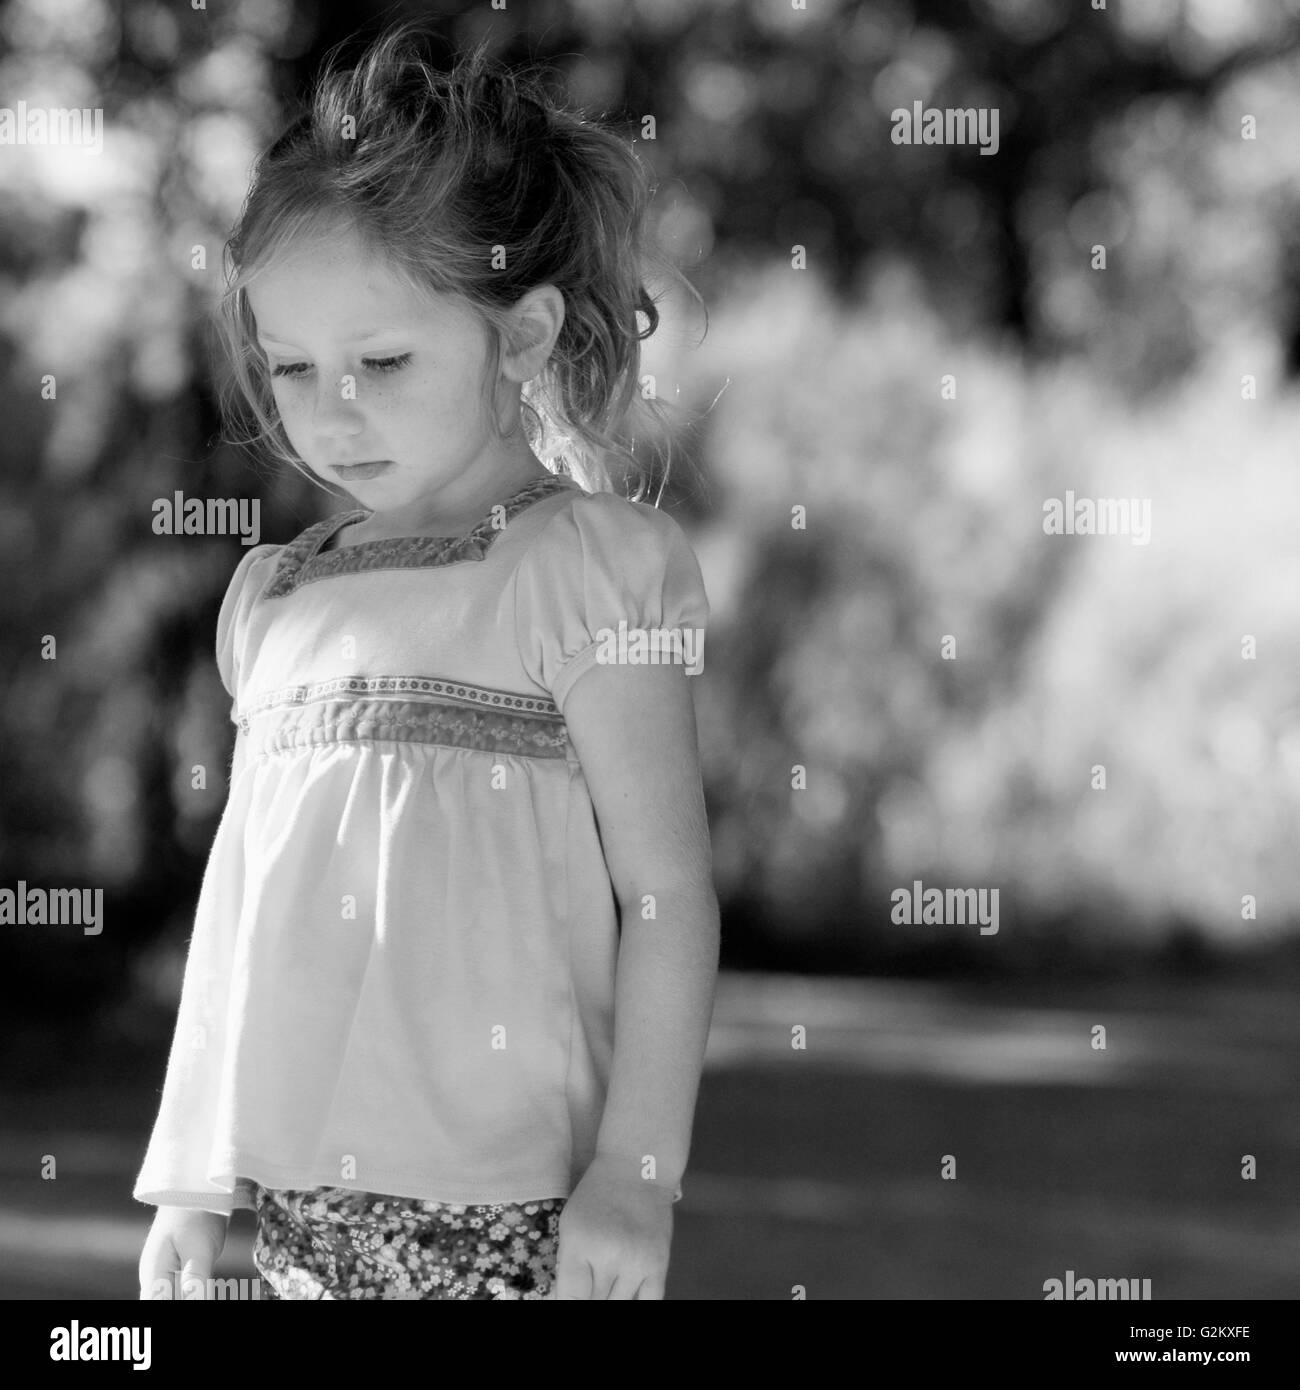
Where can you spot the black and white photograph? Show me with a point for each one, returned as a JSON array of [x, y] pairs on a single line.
[[651, 651]]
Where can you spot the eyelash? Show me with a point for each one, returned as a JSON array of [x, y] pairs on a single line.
[[378, 364]]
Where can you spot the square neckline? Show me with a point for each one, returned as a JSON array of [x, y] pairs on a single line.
[[305, 559], [327, 545]]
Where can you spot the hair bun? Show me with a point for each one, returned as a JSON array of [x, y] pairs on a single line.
[[506, 100]]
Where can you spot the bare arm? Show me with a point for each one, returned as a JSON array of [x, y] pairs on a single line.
[[633, 728]]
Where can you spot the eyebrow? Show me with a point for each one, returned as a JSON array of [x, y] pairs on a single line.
[[359, 338]]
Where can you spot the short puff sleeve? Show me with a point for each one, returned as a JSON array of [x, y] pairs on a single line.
[[240, 592], [600, 562]]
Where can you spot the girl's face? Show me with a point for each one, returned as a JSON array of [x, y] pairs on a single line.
[[378, 388]]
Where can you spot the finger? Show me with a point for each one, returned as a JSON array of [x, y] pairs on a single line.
[[157, 1270], [650, 1289], [573, 1277], [603, 1279], [622, 1290], [194, 1279]]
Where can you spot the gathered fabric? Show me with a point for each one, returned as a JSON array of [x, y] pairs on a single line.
[[401, 975]]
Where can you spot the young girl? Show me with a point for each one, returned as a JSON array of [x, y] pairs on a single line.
[[447, 995]]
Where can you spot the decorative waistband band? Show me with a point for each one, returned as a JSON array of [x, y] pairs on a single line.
[[351, 711]]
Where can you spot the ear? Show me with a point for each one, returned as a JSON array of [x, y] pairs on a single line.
[[536, 320]]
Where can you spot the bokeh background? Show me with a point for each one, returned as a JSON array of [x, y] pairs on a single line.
[[1161, 130]]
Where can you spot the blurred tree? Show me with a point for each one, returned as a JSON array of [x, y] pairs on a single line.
[[771, 130]]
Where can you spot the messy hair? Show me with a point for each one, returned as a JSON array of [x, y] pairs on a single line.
[[472, 182]]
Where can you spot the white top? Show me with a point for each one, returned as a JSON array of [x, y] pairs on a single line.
[[401, 975]]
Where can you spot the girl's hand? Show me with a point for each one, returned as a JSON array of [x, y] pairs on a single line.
[[615, 1232], [182, 1241]]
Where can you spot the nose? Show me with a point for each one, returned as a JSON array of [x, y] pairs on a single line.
[[335, 411]]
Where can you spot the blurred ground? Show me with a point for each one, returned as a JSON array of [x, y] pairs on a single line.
[[821, 1167]]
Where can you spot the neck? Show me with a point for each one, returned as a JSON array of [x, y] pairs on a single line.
[[457, 507]]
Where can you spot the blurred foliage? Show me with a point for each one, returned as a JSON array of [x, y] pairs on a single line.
[[815, 386]]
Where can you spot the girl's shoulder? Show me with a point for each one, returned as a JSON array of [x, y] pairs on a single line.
[[600, 531], [601, 566], [252, 572], [251, 575]]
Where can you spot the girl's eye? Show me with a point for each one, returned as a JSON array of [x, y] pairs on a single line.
[[376, 364], [389, 364]]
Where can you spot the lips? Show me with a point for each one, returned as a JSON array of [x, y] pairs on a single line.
[[359, 472]]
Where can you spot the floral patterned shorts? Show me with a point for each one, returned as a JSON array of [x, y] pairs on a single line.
[[335, 1243]]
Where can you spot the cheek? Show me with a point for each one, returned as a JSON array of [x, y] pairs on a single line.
[[294, 412], [453, 398], [433, 396], [293, 398]]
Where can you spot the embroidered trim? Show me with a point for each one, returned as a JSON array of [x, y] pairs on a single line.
[[538, 705], [302, 563], [408, 721]]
